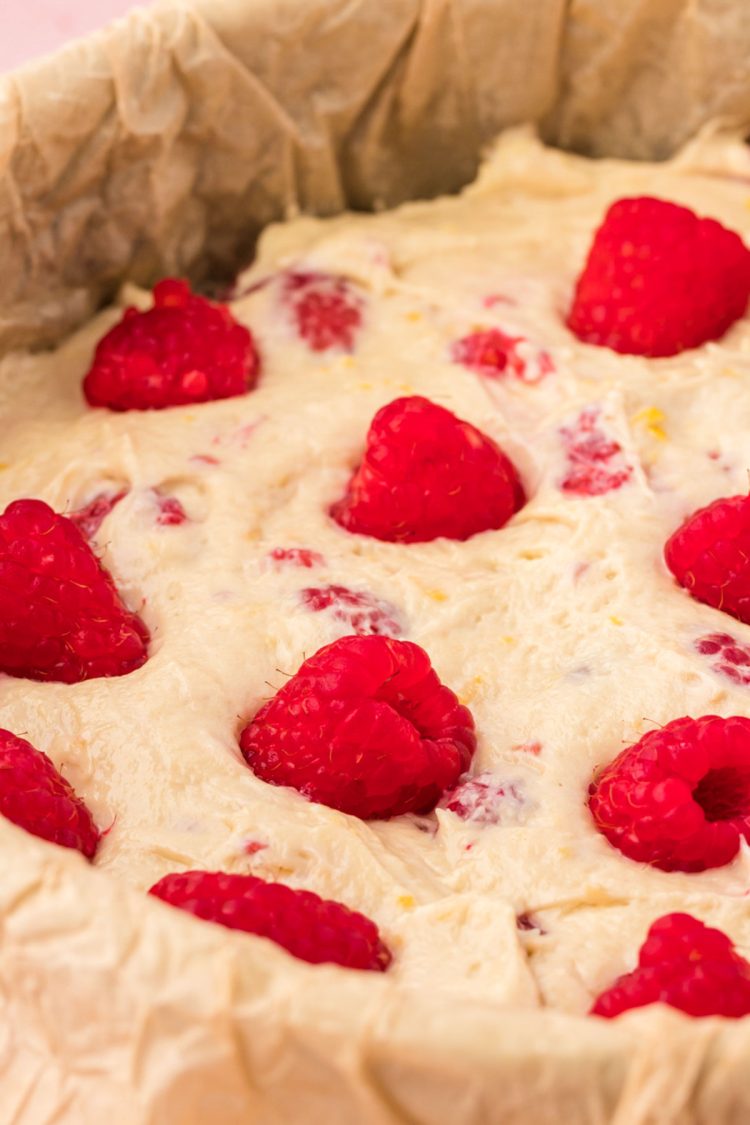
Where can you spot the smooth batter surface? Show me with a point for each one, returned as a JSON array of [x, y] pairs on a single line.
[[563, 631]]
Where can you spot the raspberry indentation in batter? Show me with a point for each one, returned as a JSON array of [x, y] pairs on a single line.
[[183, 350], [595, 462], [427, 474], [89, 519], [658, 279], [311, 928], [679, 799], [687, 965], [170, 511], [359, 611], [364, 726]]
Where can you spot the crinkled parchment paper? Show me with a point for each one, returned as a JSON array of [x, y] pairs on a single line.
[[164, 144]]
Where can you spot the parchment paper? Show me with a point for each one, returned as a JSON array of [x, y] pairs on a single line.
[[163, 145]]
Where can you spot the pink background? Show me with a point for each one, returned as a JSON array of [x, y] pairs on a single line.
[[34, 27]]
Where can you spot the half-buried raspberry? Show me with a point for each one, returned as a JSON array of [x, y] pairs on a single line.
[[183, 350], [679, 799], [659, 279], [364, 726], [710, 555], [36, 797], [61, 617], [687, 965], [425, 474], [326, 309], [307, 926]]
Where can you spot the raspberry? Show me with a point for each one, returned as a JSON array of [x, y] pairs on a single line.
[[36, 797], [710, 555], [327, 309], [89, 519], [61, 617], [658, 279], [684, 964], [424, 474], [171, 511], [307, 926], [678, 799], [596, 463], [493, 353], [484, 800], [181, 351], [364, 726], [731, 659], [360, 612], [296, 556]]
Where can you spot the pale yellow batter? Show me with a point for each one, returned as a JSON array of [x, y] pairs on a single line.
[[563, 631]]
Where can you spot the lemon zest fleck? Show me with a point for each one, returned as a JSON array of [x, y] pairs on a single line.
[[651, 417]]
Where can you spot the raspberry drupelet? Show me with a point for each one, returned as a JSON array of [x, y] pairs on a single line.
[[709, 555], [183, 350], [307, 926], [658, 279], [679, 799], [425, 474], [36, 797], [687, 965], [364, 726], [61, 617]]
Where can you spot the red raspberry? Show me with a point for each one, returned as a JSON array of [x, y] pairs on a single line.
[[596, 463], [364, 726], [326, 308], [710, 555], [181, 351], [360, 612], [686, 965], [678, 799], [658, 280], [37, 798], [89, 519], [61, 617], [426, 473], [493, 353], [309, 927]]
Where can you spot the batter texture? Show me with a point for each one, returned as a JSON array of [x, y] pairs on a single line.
[[563, 631]]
